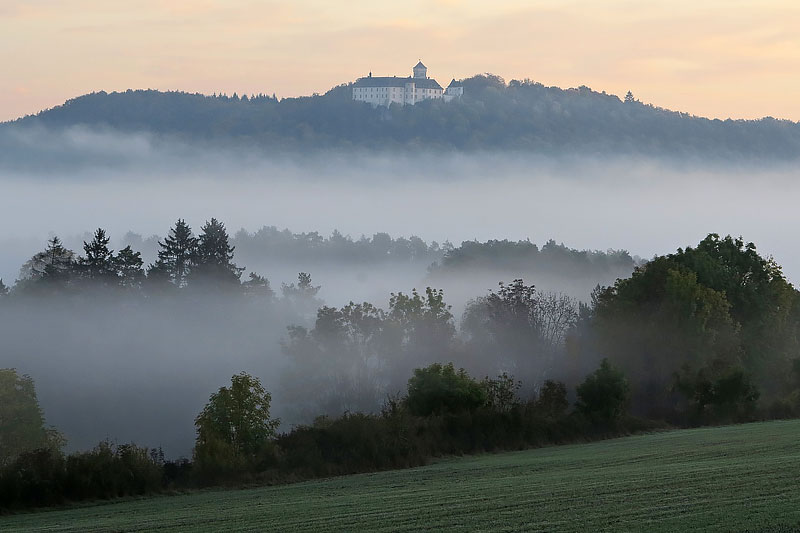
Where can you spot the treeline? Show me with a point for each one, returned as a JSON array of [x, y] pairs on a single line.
[[271, 244], [706, 335], [183, 260], [356, 355], [526, 257], [520, 115], [443, 412]]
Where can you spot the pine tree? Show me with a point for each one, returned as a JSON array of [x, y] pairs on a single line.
[[98, 264], [53, 267], [129, 267], [3, 289], [177, 254], [215, 254], [58, 262], [629, 99]]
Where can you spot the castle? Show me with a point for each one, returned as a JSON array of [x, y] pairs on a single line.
[[387, 90]]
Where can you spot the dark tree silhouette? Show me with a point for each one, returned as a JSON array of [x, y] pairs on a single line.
[[177, 254], [214, 257], [98, 262], [129, 268]]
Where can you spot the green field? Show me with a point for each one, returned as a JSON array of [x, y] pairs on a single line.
[[736, 478]]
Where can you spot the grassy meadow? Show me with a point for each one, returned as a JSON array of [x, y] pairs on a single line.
[[733, 478]]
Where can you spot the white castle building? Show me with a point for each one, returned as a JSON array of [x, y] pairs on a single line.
[[387, 90]]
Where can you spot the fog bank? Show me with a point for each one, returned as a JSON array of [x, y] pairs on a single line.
[[140, 381], [88, 179]]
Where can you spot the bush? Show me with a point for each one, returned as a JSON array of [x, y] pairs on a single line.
[[33, 479], [501, 393], [45, 477], [734, 397], [552, 399], [605, 394], [438, 389], [110, 471]]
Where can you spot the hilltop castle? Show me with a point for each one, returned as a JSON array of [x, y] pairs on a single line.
[[387, 90]]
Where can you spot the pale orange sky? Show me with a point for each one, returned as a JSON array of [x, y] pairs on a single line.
[[730, 58]]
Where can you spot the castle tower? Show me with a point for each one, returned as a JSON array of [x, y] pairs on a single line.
[[420, 71]]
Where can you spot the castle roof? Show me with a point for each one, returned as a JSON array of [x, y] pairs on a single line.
[[420, 65], [455, 83], [395, 81]]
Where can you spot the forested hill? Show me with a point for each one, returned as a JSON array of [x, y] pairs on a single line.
[[520, 116]]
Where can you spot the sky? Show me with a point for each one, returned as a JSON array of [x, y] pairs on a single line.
[[714, 58]]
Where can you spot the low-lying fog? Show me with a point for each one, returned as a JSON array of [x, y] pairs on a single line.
[[72, 183], [69, 184]]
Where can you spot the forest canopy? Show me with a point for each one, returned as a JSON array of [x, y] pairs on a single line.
[[521, 115]]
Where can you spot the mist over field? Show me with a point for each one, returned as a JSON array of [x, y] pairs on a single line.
[[127, 372]]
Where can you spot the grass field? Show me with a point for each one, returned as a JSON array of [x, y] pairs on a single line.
[[736, 478]]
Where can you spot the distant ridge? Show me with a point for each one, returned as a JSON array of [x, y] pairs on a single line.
[[493, 115]]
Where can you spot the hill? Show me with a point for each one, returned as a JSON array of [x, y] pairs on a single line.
[[735, 478], [517, 116]]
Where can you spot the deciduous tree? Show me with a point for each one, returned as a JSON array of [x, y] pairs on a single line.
[[22, 426]]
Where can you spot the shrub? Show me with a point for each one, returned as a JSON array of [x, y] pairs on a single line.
[[34, 478], [552, 399], [604, 396], [501, 393], [438, 389], [110, 471], [734, 397], [45, 477]]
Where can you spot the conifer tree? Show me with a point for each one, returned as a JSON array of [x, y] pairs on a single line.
[[3, 289], [129, 267], [54, 264], [98, 264], [177, 254], [215, 254]]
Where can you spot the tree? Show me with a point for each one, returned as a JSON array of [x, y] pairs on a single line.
[[419, 329], [258, 286], [762, 304], [629, 99], [214, 257], [302, 296], [98, 263], [177, 254], [21, 420], [501, 392], [525, 328], [728, 396], [439, 389], [54, 264], [234, 429], [339, 360], [129, 268], [684, 321], [3, 289], [552, 399], [604, 395]]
